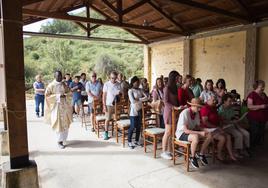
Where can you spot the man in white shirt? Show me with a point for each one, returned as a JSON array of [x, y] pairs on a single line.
[[111, 90], [188, 130]]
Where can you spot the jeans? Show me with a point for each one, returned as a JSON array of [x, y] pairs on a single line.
[[257, 131], [135, 123], [39, 99]]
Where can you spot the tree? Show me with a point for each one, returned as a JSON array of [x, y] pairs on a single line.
[[59, 26]]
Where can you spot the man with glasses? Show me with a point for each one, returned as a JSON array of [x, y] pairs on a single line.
[[111, 90], [94, 91]]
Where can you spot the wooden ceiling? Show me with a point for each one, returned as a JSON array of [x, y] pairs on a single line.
[[152, 20]]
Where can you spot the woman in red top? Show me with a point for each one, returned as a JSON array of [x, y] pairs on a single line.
[[257, 102], [210, 122], [185, 94]]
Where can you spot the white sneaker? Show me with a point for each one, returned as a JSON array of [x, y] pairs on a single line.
[[165, 155], [131, 145]]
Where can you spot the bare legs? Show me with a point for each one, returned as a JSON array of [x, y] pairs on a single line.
[[166, 142]]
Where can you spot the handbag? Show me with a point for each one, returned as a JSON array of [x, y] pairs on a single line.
[[158, 104]]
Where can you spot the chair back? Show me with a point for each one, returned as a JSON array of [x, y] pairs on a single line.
[[121, 110], [149, 117], [97, 107], [175, 118]]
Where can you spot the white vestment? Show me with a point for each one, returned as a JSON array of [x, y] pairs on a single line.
[[58, 110]]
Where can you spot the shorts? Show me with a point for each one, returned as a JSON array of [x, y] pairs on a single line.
[[109, 113], [76, 102], [184, 137]]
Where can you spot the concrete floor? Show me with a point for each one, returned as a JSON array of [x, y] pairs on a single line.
[[91, 162]]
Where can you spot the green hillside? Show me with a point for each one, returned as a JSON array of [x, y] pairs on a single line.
[[45, 55]]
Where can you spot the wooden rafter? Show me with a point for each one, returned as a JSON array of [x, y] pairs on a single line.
[[110, 6], [29, 2], [88, 16], [135, 6], [75, 37], [242, 6], [120, 10], [96, 21], [128, 30], [66, 10], [166, 16], [82, 26], [212, 9]]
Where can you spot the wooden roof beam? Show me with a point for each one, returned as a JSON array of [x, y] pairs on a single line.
[[29, 2], [128, 30], [135, 6], [75, 37], [167, 17], [242, 6], [212, 9], [110, 6], [96, 21]]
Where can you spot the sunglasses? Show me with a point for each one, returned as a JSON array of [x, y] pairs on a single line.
[[93, 76]]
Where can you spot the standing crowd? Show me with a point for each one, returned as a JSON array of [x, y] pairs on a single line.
[[208, 113]]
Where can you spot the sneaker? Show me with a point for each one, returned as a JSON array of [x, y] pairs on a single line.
[[42, 115], [194, 162], [92, 129], [106, 137], [202, 158], [169, 153], [37, 115], [165, 155], [130, 145], [138, 144], [60, 145]]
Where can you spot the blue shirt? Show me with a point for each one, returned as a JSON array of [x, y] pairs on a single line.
[[68, 82], [94, 88], [76, 94], [38, 85]]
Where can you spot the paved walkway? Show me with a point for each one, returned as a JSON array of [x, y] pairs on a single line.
[[91, 162]]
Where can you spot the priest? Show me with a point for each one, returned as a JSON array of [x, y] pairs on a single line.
[[58, 108]]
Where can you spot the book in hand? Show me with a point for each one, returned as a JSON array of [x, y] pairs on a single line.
[[227, 126], [210, 130], [240, 119]]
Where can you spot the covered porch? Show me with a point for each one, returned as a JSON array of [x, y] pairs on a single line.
[[207, 39]]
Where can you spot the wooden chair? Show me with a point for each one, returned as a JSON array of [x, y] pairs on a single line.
[[183, 147], [179, 147], [85, 122], [121, 120], [150, 125], [99, 117]]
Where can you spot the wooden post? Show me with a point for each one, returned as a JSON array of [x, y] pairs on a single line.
[[186, 56], [14, 78], [120, 11], [250, 59], [88, 16]]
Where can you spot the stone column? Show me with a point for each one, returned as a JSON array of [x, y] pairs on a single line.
[[250, 59], [147, 64], [186, 57]]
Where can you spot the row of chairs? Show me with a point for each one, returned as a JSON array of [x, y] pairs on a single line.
[[151, 132]]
